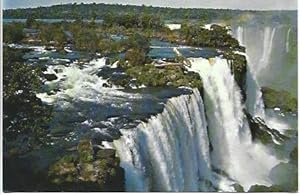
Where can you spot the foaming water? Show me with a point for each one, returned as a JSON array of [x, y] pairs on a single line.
[[233, 151], [171, 151], [80, 82]]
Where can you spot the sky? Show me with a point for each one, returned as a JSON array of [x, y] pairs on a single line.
[[231, 4]]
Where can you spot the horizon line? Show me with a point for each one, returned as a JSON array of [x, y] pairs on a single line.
[[155, 6]]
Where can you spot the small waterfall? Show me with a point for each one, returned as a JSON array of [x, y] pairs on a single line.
[[287, 40], [267, 49], [233, 151], [171, 151], [240, 35]]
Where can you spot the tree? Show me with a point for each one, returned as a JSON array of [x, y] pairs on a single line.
[[25, 118], [13, 33], [135, 57], [30, 22]]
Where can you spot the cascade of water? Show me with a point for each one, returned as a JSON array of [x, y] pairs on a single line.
[[233, 152], [171, 151], [267, 49], [254, 101], [240, 35], [287, 40]]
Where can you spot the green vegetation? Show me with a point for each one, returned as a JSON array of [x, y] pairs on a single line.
[[53, 35], [13, 33], [131, 20], [171, 76], [281, 99], [104, 11], [23, 113], [216, 37]]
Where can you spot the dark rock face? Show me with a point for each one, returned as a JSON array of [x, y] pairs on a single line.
[[87, 171], [238, 65], [260, 131]]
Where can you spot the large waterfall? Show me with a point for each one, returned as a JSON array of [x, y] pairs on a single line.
[[178, 150], [171, 151], [233, 151]]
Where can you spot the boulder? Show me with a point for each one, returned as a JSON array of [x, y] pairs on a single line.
[[260, 131], [106, 153], [50, 77]]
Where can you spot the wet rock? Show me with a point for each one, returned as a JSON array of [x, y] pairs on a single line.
[[262, 188], [238, 64], [50, 77], [238, 187], [107, 153], [294, 155], [64, 170], [87, 172], [260, 131]]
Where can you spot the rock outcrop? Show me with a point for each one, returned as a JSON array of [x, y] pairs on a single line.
[[88, 170]]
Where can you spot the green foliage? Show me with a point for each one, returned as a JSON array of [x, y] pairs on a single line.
[[30, 22], [281, 99], [106, 11], [85, 39], [97, 174], [216, 37], [85, 150], [53, 33], [151, 76], [135, 57], [13, 33], [24, 113], [130, 20]]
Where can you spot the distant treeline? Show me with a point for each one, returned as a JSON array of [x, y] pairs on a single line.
[[100, 11]]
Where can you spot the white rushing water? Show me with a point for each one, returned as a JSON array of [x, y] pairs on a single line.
[[287, 41], [233, 151], [171, 151], [81, 83], [254, 101]]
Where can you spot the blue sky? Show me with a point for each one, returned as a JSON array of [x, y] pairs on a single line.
[[232, 4]]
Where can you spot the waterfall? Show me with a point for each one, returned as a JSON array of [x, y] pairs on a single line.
[[170, 152], [287, 40], [254, 101], [233, 151], [267, 49], [240, 35]]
